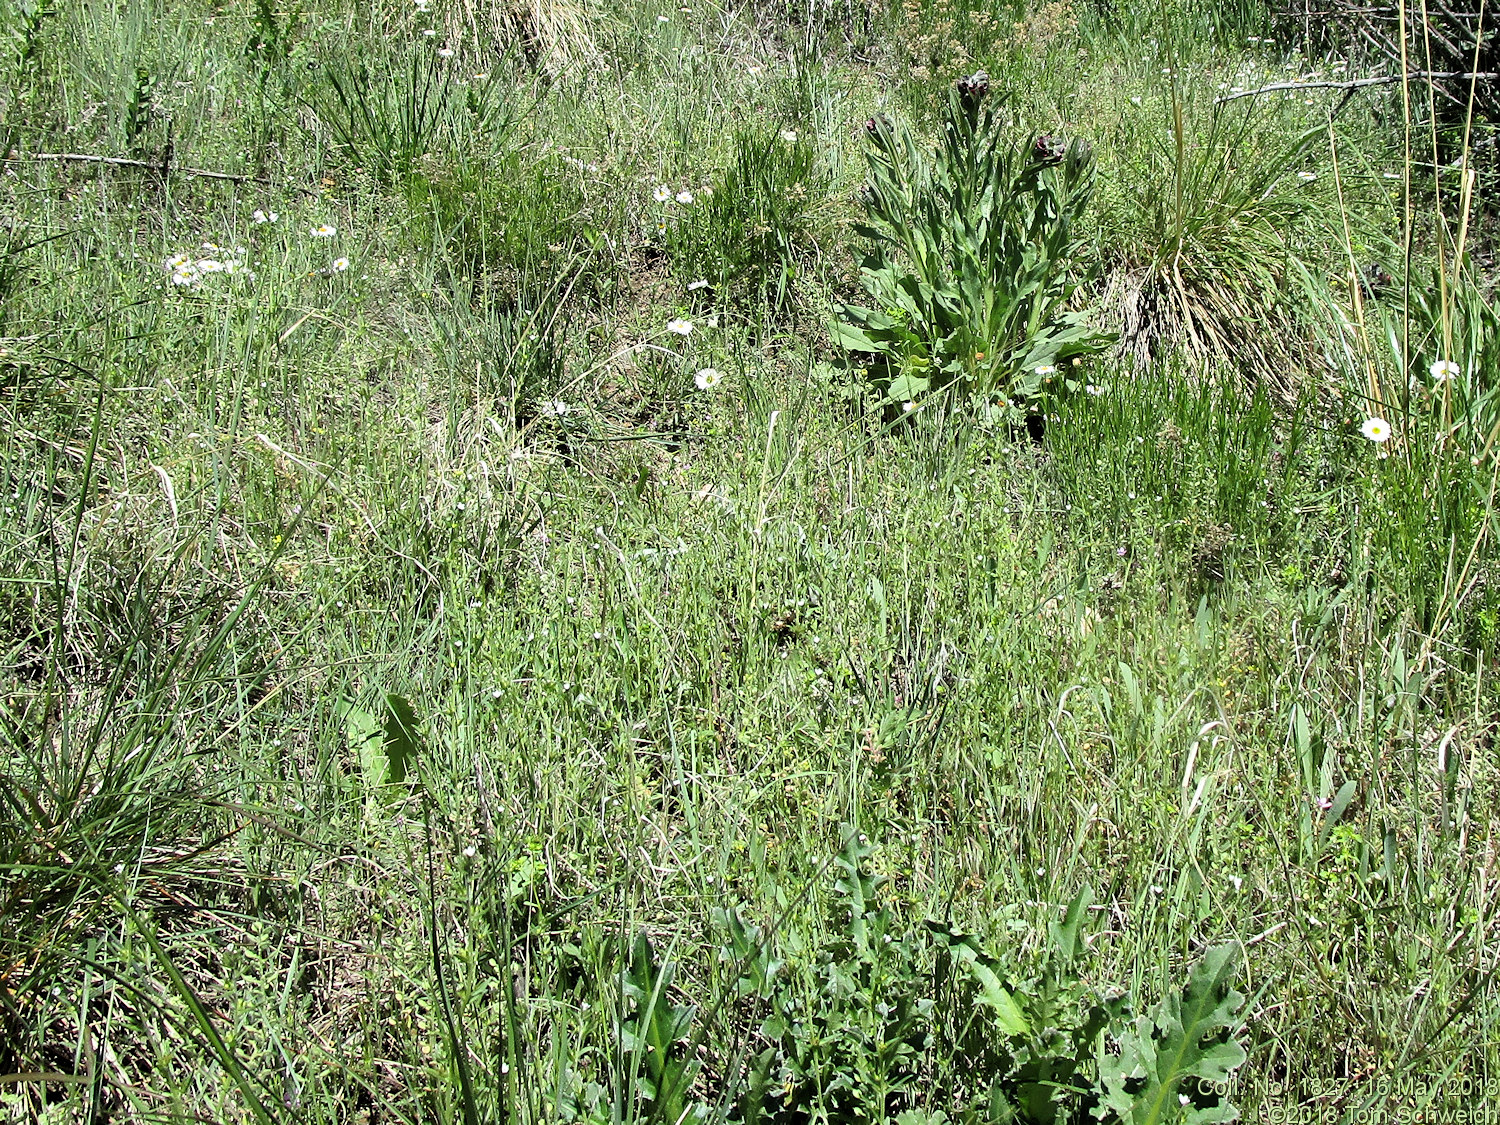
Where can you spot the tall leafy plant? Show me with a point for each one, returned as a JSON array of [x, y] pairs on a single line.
[[969, 252]]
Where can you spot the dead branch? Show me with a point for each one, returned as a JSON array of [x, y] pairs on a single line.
[[1356, 84], [153, 165]]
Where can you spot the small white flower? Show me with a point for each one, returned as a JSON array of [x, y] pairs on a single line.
[[908, 406], [661, 19], [429, 32], [684, 197], [259, 216], [339, 265], [680, 327], [789, 136], [699, 284], [323, 230], [1445, 370], [754, 69], [1376, 429], [177, 262], [187, 275], [210, 265], [1135, 100], [445, 52], [1090, 388], [1307, 177], [422, 5], [1046, 369], [662, 194], [708, 378], [555, 408], [469, 851], [713, 321]]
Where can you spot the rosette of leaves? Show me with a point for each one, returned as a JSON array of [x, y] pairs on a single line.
[[968, 262]]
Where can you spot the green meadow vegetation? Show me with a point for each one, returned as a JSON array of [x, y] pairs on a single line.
[[753, 563]]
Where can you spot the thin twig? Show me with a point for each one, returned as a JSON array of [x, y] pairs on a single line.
[[1356, 84], [154, 165]]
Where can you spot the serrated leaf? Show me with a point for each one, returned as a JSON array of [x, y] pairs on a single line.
[[400, 735], [1158, 1057], [385, 741]]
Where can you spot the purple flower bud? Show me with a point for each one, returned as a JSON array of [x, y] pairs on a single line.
[[974, 86], [1048, 149]]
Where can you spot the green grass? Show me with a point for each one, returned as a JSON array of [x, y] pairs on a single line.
[[653, 656]]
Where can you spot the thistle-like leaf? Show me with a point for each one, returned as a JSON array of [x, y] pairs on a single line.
[[1190, 1037]]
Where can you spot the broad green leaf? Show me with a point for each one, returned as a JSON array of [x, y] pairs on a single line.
[[1066, 934], [1190, 1039], [853, 339], [908, 387], [1336, 811], [385, 742], [994, 995]]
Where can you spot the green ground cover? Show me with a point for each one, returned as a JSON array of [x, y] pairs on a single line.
[[641, 563]]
